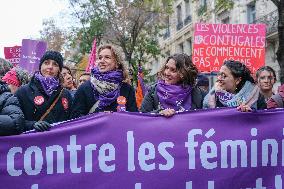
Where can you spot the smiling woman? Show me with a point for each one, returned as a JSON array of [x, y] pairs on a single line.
[[175, 90], [108, 84], [43, 100], [235, 87]]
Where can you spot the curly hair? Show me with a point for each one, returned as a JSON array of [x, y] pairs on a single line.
[[22, 75], [185, 67], [68, 69], [5, 66], [265, 68], [239, 70], [118, 59]]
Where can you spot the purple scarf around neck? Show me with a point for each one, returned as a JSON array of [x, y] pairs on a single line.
[[109, 84], [174, 96], [49, 84]]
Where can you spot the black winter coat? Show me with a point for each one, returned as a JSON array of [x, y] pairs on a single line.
[[151, 101], [34, 103], [84, 100], [11, 115]]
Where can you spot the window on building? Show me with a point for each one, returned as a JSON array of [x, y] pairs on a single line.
[[179, 17], [187, 12], [188, 46], [187, 7], [180, 48], [179, 14], [226, 20], [202, 7], [251, 13], [167, 30]]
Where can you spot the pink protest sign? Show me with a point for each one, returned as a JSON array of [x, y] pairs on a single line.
[[92, 58], [215, 43], [13, 54]]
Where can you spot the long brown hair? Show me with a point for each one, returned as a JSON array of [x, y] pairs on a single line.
[[185, 67]]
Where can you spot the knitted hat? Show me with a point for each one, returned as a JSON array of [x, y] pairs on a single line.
[[11, 78], [53, 55], [202, 80], [16, 76], [5, 66]]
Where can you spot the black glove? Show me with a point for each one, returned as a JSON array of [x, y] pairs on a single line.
[[42, 126]]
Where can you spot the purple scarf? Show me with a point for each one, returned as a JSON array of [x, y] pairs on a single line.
[[49, 84], [106, 86], [174, 96]]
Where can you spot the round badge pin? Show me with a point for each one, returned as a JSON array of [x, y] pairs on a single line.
[[65, 103], [121, 100], [39, 100]]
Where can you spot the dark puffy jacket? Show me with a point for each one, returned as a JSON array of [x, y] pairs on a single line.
[[84, 100], [11, 115], [34, 103]]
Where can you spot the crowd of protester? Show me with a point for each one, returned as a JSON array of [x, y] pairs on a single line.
[[51, 94]]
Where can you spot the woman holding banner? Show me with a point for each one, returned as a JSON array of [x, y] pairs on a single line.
[[43, 100], [266, 78], [235, 87], [175, 90], [108, 88]]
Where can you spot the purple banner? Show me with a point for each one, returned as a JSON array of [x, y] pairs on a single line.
[[209, 149], [32, 51]]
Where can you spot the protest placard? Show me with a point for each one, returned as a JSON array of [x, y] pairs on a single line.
[[13, 54], [32, 51], [215, 43]]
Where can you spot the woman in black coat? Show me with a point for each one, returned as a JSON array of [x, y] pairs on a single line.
[[108, 88], [44, 90], [175, 90], [11, 115]]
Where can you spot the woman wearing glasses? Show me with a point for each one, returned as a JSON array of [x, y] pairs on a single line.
[[235, 87]]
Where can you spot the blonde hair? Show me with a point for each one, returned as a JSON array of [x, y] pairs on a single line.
[[118, 59]]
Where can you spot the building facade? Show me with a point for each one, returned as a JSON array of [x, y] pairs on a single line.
[[178, 35]]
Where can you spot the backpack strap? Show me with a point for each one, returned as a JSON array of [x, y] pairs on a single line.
[[278, 99]]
